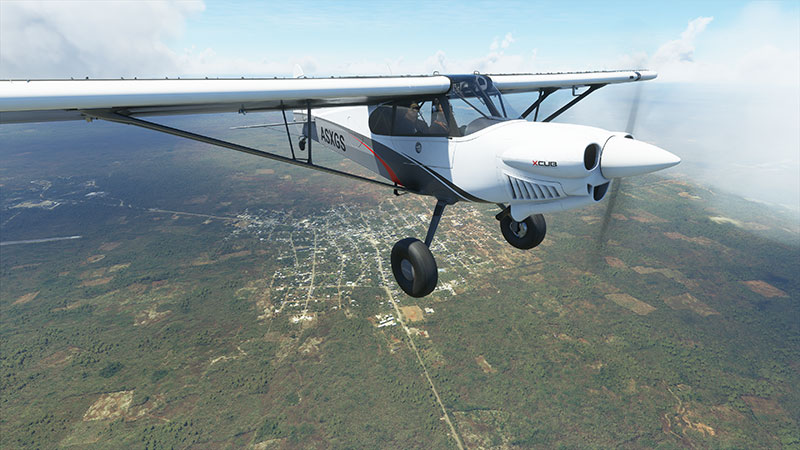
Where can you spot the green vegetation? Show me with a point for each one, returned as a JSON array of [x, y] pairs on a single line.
[[169, 323]]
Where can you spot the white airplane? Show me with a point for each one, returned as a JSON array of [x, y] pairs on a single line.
[[452, 137]]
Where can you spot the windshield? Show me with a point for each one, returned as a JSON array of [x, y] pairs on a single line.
[[476, 103]]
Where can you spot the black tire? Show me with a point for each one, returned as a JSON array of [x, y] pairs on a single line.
[[526, 234], [414, 267]]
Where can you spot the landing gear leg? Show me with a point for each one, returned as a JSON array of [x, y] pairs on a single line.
[[437, 215], [412, 262]]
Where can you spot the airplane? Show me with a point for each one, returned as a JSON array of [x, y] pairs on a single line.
[[451, 137]]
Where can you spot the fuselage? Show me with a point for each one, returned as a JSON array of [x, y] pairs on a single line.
[[438, 146]]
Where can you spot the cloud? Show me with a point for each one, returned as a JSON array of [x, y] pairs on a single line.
[[496, 61], [49, 39], [508, 40], [681, 50], [675, 60], [760, 48], [726, 95], [96, 39], [504, 44]]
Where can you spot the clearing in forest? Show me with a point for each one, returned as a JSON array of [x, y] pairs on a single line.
[[687, 301], [485, 366], [412, 313], [764, 288], [632, 303], [110, 406], [26, 298]]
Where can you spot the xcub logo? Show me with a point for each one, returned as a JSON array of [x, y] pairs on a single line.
[[545, 163], [332, 138]]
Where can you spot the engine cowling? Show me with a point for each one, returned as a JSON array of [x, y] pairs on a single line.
[[558, 150]]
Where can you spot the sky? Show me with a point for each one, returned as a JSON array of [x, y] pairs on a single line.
[[727, 99]]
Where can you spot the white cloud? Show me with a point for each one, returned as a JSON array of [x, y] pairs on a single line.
[[49, 39], [682, 50], [728, 94], [760, 48], [504, 44], [497, 60], [96, 39], [507, 41]]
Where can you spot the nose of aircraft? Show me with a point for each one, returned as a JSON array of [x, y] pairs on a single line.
[[623, 157]]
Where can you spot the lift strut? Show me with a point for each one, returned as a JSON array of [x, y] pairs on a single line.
[[569, 105], [310, 131], [286, 124], [543, 94], [118, 117]]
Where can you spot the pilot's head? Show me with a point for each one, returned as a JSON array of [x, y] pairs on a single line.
[[413, 111]]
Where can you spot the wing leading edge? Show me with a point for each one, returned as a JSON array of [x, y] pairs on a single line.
[[56, 100], [509, 84], [53, 100]]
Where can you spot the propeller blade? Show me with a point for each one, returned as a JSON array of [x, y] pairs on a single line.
[[612, 200], [616, 184], [637, 96]]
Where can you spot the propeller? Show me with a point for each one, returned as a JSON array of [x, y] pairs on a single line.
[[616, 184]]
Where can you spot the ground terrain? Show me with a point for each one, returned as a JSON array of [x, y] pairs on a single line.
[[157, 293]]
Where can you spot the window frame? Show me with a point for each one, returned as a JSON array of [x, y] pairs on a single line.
[[423, 101]]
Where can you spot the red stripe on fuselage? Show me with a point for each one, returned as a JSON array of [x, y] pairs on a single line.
[[388, 169]]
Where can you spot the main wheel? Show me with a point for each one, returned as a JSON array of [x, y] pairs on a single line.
[[414, 267], [526, 234]]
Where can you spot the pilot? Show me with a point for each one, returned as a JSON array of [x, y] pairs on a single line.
[[411, 124]]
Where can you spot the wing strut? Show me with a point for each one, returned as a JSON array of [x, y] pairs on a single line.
[[543, 94], [113, 116], [575, 100], [310, 131], [286, 124]]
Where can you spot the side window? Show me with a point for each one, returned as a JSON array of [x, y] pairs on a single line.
[[421, 118], [380, 121], [408, 121], [438, 125], [465, 113], [412, 118]]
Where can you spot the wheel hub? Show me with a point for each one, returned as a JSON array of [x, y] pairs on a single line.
[[408, 269], [520, 229]]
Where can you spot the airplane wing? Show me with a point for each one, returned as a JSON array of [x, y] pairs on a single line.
[[55, 100], [509, 84]]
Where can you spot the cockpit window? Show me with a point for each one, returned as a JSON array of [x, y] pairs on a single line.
[[422, 117], [477, 104], [380, 121], [472, 104], [408, 120]]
